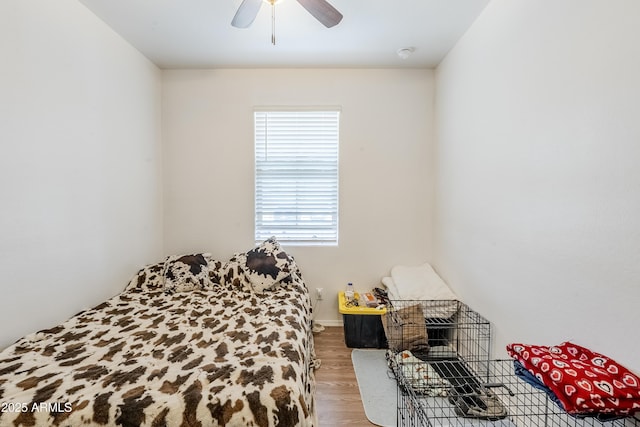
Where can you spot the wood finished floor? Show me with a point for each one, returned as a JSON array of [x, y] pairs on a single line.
[[337, 395]]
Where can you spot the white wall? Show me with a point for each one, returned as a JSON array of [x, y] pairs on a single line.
[[80, 177], [385, 166], [537, 219]]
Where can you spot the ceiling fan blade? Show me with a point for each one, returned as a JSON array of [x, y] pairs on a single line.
[[322, 11], [246, 13]]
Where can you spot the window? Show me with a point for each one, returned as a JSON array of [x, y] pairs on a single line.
[[296, 185]]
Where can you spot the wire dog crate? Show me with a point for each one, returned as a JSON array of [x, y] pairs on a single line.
[[439, 352], [438, 330], [495, 397]]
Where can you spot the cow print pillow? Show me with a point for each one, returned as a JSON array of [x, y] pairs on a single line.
[[216, 272], [186, 273], [232, 274], [150, 277], [267, 265]]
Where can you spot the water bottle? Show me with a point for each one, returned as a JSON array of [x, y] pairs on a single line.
[[349, 294]]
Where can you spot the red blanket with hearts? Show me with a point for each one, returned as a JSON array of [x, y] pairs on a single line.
[[584, 381]]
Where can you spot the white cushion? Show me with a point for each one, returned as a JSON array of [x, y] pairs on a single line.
[[420, 282]]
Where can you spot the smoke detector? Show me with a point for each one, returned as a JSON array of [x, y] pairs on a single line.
[[405, 52]]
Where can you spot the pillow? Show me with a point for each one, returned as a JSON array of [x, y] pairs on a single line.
[[216, 271], [147, 278], [406, 329], [186, 273], [267, 265], [231, 273]]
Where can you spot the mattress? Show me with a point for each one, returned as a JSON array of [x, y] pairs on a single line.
[[222, 355]]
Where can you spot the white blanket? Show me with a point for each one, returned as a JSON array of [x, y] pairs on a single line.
[[420, 282]]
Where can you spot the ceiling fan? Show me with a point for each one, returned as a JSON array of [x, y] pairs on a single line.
[[320, 9]]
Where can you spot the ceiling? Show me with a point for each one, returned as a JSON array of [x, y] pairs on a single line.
[[198, 33]]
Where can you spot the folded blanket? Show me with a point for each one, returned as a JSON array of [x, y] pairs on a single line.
[[421, 283], [405, 329], [583, 381], [528, 377]]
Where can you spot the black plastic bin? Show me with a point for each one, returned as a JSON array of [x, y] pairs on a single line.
[[362, 326]]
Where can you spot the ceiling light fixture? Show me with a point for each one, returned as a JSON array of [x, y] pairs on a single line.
[[405, 52], [320, 9]]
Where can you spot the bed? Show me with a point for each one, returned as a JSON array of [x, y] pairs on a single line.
[[191, 341]]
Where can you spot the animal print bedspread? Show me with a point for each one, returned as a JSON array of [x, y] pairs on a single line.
[[224, 356]]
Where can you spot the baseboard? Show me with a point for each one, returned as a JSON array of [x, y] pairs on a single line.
[[329, 322]]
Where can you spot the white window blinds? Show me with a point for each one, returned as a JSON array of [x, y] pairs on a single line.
[[296, 181]]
